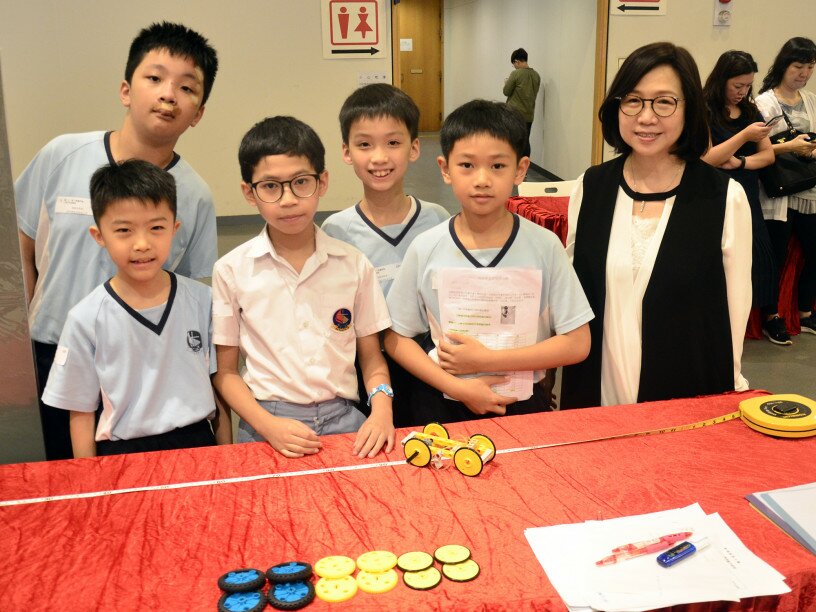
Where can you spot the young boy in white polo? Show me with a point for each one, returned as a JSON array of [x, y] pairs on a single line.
[[142, 339], [298, 305]]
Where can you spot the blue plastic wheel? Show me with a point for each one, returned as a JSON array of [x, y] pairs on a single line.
[[291, 595], [250, 601], [291, 571], [239, 580]]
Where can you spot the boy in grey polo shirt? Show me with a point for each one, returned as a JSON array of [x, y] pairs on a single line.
[[142, 339]]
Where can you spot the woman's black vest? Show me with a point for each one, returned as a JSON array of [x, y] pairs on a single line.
[[686, 329]]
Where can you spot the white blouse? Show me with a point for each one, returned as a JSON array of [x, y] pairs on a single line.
[[625, 287]]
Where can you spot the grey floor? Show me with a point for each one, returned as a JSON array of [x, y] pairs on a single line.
[[766, 366]]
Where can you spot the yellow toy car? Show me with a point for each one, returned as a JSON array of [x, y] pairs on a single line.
[[433, 442]]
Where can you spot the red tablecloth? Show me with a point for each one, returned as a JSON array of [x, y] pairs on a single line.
[[551, 212], [164, 550]]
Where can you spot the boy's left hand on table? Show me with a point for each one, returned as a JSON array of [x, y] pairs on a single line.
[[378, 430], [462, 354]]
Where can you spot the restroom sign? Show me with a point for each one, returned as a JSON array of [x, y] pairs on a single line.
[[354, 29]]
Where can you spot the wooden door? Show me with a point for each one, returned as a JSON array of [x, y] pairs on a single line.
[[417, 24]]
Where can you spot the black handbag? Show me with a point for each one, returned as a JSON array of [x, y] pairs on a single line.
[[790, 173]]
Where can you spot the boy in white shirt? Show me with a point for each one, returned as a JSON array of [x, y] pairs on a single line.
[[298, 305]]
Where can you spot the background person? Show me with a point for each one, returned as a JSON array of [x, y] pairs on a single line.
[[521, 89], [783, 91], [661, 242], [741, 147]]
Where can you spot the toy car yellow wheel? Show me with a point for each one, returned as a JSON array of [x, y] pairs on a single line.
[[481, 442], [417, 452], [435, 429], [468, 461]]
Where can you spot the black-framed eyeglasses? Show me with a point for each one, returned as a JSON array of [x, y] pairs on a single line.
[[302, 186], [662, 106]]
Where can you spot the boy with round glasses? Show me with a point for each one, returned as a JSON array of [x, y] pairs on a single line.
[[298, 305]]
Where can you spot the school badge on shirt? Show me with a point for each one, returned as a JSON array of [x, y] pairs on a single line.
[[341, 319], [194, 340]]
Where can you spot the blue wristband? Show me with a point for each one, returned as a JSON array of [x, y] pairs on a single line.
[[380, 389]]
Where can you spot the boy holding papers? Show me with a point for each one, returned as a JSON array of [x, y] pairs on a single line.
[[501, 261]]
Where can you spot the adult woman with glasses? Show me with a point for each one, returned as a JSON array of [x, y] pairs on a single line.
[[662, 244], [782, 93], [740, 147]]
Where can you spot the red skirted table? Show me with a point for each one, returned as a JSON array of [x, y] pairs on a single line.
[[551, 212], [164, 549]]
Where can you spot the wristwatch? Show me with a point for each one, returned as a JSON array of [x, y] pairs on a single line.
[[380, 389], [741, 158]]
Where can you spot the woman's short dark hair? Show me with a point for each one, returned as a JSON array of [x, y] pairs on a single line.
[[730, 64], [693, 142], [797, 49]]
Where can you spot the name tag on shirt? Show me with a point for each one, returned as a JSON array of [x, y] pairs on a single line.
[[73, 206], [387, 273], [61, 356]]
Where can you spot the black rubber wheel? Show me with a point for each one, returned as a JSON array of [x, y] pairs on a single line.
[[291, 571], [241, 580], [291, 595], [249, 601]]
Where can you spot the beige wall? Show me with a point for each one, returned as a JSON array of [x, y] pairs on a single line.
[[758, 27], [63, 62], [559, 37]]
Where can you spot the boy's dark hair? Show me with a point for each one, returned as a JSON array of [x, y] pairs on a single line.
[[796, 50], [519, 54], [280, 136], [133, 179], [730, 64], [375, 101], [693, 141], [178, 40], [484, 117]]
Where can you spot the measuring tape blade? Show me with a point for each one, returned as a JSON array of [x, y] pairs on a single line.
[[348, 468], [649, 432]]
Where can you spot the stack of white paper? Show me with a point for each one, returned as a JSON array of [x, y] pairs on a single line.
[[725, 570]]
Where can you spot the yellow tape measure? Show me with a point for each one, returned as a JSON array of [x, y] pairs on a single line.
[[786, 416]]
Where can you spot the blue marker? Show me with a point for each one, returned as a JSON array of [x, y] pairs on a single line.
[[681, 551]]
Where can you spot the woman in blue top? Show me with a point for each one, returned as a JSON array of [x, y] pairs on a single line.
[[740, 146]]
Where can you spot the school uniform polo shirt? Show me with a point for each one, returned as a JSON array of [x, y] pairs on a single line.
[[54, 209], [384, 246], [414, 297], [298, 332], [151, 367]]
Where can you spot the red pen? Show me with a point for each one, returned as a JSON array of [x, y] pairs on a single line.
[[636, 549]]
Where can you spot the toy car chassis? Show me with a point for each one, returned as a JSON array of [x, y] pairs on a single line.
[[433, 442]]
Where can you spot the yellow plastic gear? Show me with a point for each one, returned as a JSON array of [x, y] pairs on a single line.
[[452, 553], [415, 561], [335, 567], [422, 580], [468, 461], [461, 572], [377, 561], [435, 429], [335, 590], [482, 442], [417, 452], [377, 582]]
